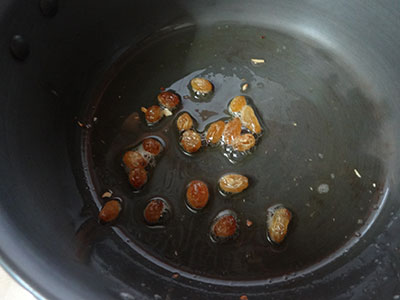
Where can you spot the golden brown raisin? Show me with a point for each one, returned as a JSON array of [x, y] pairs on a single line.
[[153, 114], [154, 211], [191, 141], [110, 211], [232, 131], [197, 194], [278, 224], [184, 122], [169, 100], [237, 104], [233, 183], [225, 226], [215, 131], [249, 119], [152, 145], [138, 177], [133, 159], [201, 85], [244, 142]]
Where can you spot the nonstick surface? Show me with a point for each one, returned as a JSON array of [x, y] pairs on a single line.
[[54, 60], [321, 130]]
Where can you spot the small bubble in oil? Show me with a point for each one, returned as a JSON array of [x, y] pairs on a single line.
[[260, 85]]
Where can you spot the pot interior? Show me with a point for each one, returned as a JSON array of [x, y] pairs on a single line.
[[74, 78], [319, 156]]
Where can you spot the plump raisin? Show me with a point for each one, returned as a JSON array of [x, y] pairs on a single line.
[[153, 114], [137, 177], [215, 131], [233, 183], [201, 85], [110, 211], [278, 224], [249, 119], [184, 122], [237, 104], [133, 159], [154, 211], [169, 100], [152, 146], [191, 141], [232, 131], [197, 194], [224, 226], [244, 142]]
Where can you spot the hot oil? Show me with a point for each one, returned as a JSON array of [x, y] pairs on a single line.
[[313, 114], [230, 151]]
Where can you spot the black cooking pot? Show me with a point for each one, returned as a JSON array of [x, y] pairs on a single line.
[[331, 72]]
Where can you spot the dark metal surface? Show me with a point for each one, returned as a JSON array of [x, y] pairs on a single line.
[[319, 128], [43, 96]]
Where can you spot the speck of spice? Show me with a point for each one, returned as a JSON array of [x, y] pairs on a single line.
[[257, 61], [107, 194]]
